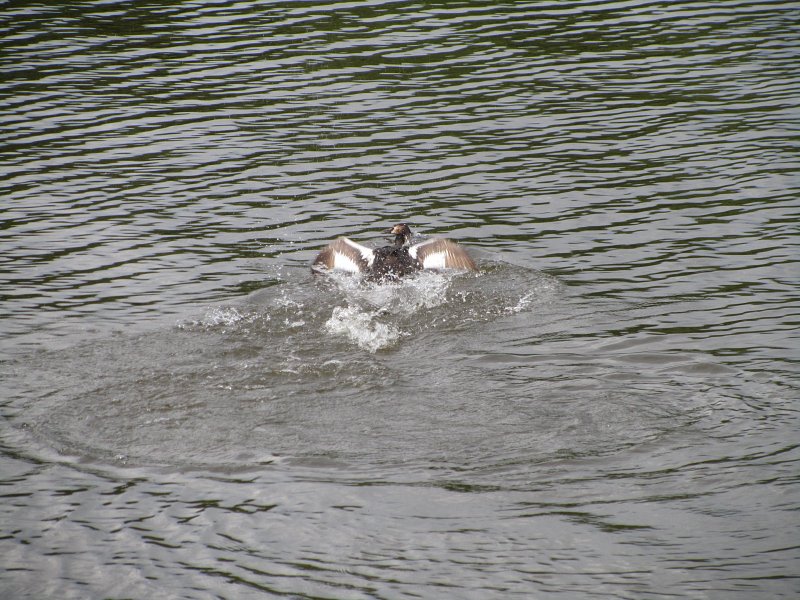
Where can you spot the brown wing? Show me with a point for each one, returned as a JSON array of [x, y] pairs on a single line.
[[441, 253], [344, 255]]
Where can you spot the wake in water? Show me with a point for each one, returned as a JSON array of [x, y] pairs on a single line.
[[377, 316], [313, 369]]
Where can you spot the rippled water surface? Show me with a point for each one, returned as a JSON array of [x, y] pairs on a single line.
[[608, 408]]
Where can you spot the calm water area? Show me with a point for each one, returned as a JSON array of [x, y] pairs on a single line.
[[608, 408]]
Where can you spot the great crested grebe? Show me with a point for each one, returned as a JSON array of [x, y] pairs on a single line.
[[395, 261]]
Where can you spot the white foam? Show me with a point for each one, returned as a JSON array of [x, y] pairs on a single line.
[[222, 315], [370, 318], [406, 296], [522, 304], [362, 327]]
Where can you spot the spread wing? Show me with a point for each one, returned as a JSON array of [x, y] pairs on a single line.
[[441, 253], [344, 255]]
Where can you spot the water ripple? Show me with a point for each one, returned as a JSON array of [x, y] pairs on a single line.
[[603, 409]]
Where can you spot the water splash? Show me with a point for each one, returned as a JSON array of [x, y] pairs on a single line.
[[376, 315], [362, 327], [214, 316]]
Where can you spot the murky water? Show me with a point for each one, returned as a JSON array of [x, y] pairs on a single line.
[[609, 408]]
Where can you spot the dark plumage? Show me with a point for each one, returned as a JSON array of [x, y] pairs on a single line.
[[395, 261]]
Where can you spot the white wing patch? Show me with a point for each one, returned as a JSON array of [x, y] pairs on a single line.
[[442, 253], [435, 260], [366, 253], [345, 255], [342, 262]]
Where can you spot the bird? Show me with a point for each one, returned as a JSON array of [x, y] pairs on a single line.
[[395, 261]]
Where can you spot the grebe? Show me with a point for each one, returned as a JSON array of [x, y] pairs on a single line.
[[395, 261]]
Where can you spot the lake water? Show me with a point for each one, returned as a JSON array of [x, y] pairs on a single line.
[[609, 408]]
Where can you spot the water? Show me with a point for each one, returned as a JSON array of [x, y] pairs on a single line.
[[609, 408]]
